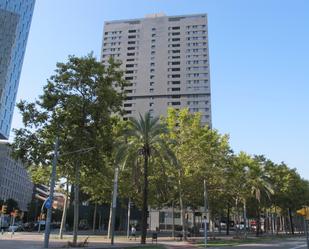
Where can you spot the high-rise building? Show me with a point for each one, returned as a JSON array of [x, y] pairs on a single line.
[[15, 182], [15, 19], [166, 61]]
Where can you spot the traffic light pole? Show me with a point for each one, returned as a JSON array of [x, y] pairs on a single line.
[[51, 195]]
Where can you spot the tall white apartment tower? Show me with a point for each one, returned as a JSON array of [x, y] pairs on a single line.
[[166, 61]]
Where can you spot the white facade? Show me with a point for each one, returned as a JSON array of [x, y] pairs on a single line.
[[14, 180], [166, 218], [166, 61]]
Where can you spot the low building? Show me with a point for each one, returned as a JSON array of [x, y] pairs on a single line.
[[166, 218], [15, 182]]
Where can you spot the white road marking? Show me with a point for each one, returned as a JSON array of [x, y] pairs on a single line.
[[299, 246]]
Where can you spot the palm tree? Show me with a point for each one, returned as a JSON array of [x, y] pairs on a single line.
[[259, 185], [144, 139]]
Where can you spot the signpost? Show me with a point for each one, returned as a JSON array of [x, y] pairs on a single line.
[[48, 203], [305, 213]]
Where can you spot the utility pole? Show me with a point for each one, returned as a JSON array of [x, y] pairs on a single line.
[[51, 195], [205, 216]]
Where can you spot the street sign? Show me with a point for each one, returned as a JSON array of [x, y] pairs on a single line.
[[48, 203]]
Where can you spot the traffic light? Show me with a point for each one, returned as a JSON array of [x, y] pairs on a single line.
[[301, 212], [304, 212]]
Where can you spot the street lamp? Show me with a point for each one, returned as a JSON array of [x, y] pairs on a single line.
[[52, 188], [51, 195]]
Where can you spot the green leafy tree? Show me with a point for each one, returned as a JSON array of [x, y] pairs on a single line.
[[200, 154], [76, 106]]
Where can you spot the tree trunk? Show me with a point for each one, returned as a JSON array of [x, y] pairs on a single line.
[[64, 213], [145, 198], [194, 223], [114, 205], [100, 218], [286, 220], [173, 217], [236, 219], [94, 217], [228, 220], [291, 221], [76, 205], [110, 221], [129, 214], [258, 222], [182, 210], [245, 219]]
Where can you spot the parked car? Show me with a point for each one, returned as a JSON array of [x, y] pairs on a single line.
[[240, 226]]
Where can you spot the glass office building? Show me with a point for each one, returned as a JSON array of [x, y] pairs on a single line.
[[15, 20]]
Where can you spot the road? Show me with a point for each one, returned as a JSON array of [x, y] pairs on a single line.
[[282, 244]]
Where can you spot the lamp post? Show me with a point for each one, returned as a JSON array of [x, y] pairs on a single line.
[[52, 188], [51, 195]]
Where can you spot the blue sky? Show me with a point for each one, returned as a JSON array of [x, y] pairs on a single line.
[[258, 57]]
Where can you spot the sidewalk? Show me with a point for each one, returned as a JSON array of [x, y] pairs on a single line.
[[35, 241]]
